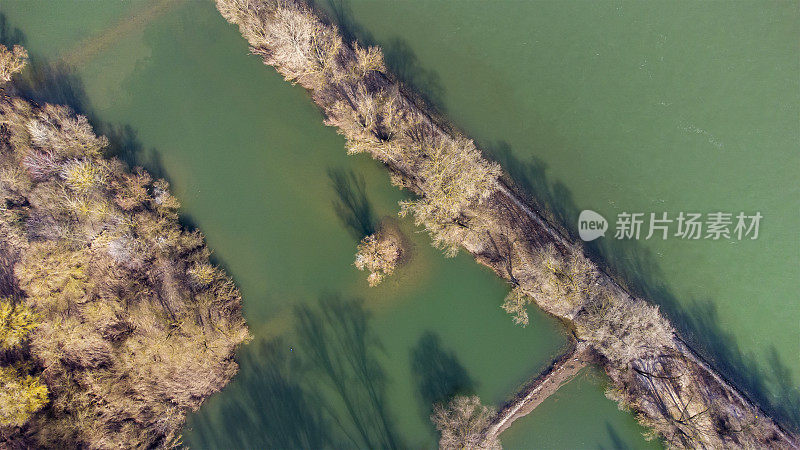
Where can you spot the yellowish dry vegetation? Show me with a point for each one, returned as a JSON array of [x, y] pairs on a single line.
[[11, 61], [118, 324], [379, 253], [462, 202], [462, 423], [21, 393]]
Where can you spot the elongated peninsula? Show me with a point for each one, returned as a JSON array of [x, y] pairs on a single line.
[[466, 201]]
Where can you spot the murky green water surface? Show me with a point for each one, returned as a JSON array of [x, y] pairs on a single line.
[[613, 106], [640, 107]]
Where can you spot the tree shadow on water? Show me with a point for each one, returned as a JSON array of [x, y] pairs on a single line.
[[327, 390], [352, 205], [342, 351], [272, 408], [55, 83], [10, 36], [124, 143], [617, 443], [766, 380], [398, 55], [403, 63], [45, 81], [437, 374]]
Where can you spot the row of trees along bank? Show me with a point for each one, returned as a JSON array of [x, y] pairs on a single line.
[[113, 321], [463, 202]]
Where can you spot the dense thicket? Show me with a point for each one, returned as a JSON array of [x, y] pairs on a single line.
[[114, 322], [461, 202]]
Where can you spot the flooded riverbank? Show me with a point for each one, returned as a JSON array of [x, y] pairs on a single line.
[[250, 161]]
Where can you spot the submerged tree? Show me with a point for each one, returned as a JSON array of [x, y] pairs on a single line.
[[379, 254]]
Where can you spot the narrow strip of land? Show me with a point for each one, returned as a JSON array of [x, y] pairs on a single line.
[[539, 389], [466, 201]]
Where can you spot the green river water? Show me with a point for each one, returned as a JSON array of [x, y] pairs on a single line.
[[610, 106]]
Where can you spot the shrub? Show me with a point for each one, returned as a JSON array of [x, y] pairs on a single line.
[[462, 423], [11, 61], [21, 395], [516, 304], [623, 330], [379, 253], [16, 322]]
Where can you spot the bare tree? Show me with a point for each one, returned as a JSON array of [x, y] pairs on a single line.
[[379, 254], [11, 61], [462, 423]]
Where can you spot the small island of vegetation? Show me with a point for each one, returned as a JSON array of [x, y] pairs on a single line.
[[115, 321], [463, 200], [380, 253]]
